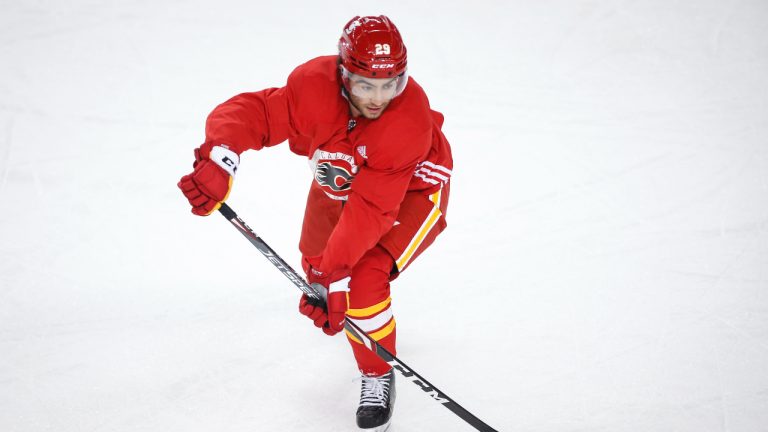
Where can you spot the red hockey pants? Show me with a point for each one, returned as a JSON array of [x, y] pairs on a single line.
[[420, 220]]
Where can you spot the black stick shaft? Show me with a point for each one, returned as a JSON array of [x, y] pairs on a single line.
[[269, 253], [351, 327]]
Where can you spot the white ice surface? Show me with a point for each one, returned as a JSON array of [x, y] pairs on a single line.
[[605, 267]]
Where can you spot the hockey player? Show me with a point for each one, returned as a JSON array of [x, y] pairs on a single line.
[[381, 169]]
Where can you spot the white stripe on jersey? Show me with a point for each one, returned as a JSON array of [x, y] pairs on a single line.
[[426, 179], [432, 173], [437, 167]]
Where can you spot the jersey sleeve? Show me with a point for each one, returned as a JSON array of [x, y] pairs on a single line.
[[377, 191], [252, 121]]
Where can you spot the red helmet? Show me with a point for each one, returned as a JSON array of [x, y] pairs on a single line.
[[372, 47]]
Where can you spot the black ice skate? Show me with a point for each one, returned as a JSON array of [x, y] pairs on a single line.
[[377, 401]]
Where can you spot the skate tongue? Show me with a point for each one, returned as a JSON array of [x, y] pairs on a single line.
[[375, 391]]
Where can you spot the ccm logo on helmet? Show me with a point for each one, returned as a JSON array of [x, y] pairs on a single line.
[[382, 66]]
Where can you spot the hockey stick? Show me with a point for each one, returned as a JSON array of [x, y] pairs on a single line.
[[351, 327]]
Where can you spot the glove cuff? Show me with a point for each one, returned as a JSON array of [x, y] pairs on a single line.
[[228, 160], [339, 286]]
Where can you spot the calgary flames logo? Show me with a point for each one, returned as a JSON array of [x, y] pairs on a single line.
[[334, 172], [336, 178]]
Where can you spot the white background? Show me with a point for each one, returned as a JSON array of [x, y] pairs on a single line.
[[605, 267]]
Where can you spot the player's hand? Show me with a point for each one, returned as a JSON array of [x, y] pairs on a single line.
[[209, 184], [330, 319], [314, 310]]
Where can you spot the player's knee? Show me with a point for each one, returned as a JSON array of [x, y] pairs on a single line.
[[374, 268]]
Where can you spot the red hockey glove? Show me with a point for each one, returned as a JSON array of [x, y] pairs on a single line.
[[209, 184], [331, 319], [312, 309]]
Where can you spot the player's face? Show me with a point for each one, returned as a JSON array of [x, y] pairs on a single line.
[[369, 97]]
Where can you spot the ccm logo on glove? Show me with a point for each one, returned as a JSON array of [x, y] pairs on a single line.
[[226, 159], [211, 181]]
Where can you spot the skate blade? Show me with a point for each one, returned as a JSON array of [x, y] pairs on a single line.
[[382, 428]]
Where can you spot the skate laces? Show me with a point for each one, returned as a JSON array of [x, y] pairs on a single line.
[[375, 391]]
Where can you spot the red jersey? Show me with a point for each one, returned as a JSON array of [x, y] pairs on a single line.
[[362, 168]]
